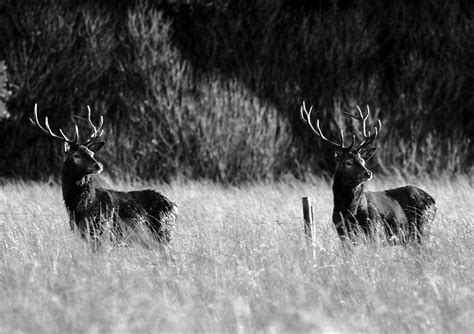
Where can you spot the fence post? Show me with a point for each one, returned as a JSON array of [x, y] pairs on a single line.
[[308, 215]]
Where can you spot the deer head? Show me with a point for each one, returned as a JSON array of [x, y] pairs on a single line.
[[79, 158], [350, 159]]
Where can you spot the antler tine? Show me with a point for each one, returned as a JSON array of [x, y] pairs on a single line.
[[64, 136], [303, 111], [308, 119], [76, 128], [96, 131], [321, 133], [317, 130], [48, 128], [368, 140], [360, 118], [90, 121], [38, 124]]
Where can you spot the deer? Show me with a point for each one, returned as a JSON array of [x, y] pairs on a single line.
[[94, 210], [399, 215]]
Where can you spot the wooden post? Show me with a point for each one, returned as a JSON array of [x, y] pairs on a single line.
[[308, 215]]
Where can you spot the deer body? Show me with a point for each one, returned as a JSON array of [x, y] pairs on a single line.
[[400, 214], [93, 210]]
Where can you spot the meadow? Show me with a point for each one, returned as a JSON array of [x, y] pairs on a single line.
[[239, 262]]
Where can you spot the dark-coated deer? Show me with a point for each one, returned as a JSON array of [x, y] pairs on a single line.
[[93, 210], [401, 214]]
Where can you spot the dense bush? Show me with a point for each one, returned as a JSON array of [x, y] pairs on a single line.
[[161, 119], [411, 62], [212, 89]]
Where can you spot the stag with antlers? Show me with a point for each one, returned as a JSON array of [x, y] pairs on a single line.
[[400, 214], [93, 210]]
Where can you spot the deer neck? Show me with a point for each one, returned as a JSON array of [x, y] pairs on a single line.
[[347, 198], [78, 193]]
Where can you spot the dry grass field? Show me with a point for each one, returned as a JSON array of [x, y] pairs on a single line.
[[238, 263]]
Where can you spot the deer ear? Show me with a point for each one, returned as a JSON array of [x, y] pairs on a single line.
[[66, 147], [94, 147], [368, 153]]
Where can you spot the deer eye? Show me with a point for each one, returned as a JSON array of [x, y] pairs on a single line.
[[76, 156], [348, 163]]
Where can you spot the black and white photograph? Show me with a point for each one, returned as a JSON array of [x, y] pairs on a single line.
[[234, 166]]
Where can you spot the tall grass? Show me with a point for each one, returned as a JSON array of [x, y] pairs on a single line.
[[212, 89], [238, 263]]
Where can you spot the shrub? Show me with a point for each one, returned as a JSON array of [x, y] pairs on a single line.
[[161, 120], [410, 62], [212, 89]]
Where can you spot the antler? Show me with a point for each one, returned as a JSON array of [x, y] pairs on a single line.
[[48, 131], [317, 130], [96, 130], [368, 138]]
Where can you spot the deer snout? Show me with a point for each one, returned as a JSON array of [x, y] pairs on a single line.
[[96, 168]]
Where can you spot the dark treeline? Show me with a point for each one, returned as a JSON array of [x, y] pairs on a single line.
[[212, 89]]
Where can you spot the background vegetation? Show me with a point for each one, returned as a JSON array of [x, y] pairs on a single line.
[[238, 263], [212, 89]]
